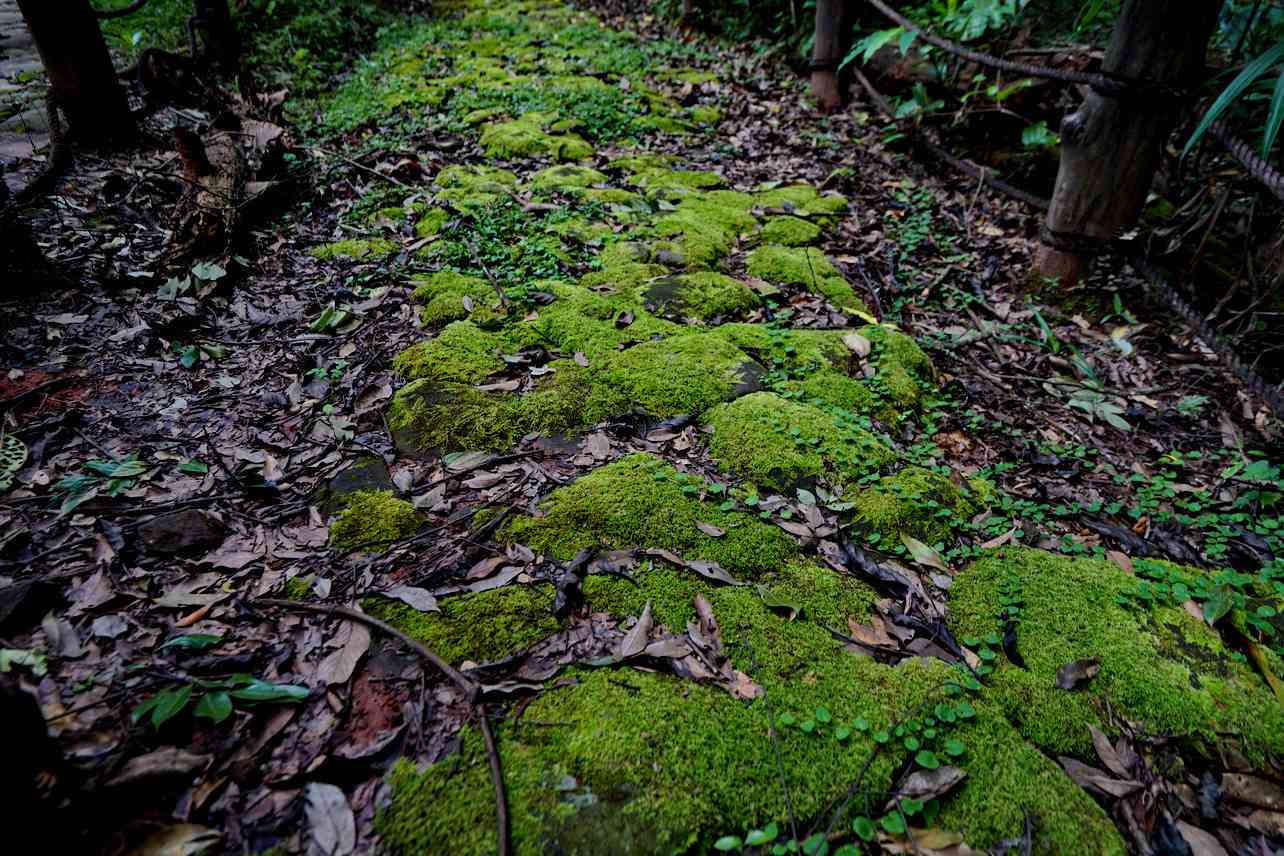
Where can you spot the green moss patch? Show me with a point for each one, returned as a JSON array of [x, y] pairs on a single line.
[[919, 503], [777, 443], [373, 519], [641, 501], [789, 232], [806, 267], [448, 296], [1160, 667], [704, 296], [356, 249], [530, 136]]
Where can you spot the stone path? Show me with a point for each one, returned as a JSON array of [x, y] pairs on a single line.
[[654, 314], [24, 129]]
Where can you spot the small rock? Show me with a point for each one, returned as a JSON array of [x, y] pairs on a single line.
[[182, 530], [367, 473]]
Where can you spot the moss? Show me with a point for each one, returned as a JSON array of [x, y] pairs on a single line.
[[1159, 667], [904, 370], [659, 181], [835, 389], [640, 500], [462, 352], [374, 518], [355, 248], [803, 198], [585, 321], [476, 627], [777, 443], [431, 222], [704, 296], [470, 187], [444, 417], [789, 231], [443, 296], [920, 503], [297, 588], [688, 373], [807, 267], [703, 115], [526, 137], [566, 177]]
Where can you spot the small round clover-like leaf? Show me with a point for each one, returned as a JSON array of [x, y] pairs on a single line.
[[823, 715], [911, 807], [808, 725], [965, 710], [728, 843], [864, 828], [860, 724], [912, 744], [882, 736], [841, 733], [215, 706], [927, 759], [893, 823], [787, 719]]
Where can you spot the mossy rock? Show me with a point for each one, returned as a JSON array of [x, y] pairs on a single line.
[[807, 267], [789, 232], [565, 178], [1160, 667], [803, 199], [920, 503], [777, 443], [355, 249], [449, 296], [430, 222], [462, 352], [372, 520], [704, 296], [526, 137], [640, 501]]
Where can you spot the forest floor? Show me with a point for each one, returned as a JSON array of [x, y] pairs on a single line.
[[728, 453]]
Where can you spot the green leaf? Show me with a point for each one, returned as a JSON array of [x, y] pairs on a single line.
[[860, 724], [816, 845], [893, 823], [170, 703], [1275, 118], [842, 733], [808, 725], [927, 759], [215, 706], [864, 828], [911, 807], [757, 837], [912, 744], [208, 271], [954, 748], [262, 691], [192, 642], [823, 715], [923, 554], [964, 710], [727, 843], [1255, 69], [195, 468], [143, 708], [882, 736], [786, 719]]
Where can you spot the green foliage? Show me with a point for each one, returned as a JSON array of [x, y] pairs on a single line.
[[213, 699], [106, 478], [1265, 67]]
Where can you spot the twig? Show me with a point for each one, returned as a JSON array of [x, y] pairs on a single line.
[[350, 162], [472, 248], [470, 689]]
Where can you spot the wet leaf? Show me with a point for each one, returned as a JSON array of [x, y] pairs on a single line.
[[414, 597], [332, 829], [929, 784], [1092, 779], [710, 530], [1076, 673], [924, 554], [635, 641], [778, 604], [214, 706]]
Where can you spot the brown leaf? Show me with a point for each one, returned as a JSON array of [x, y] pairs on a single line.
[[184, 839], [160, 763], [332, 830], [624, 319], [802, 530], [1092, 779], [710, 530], [1107, 754], [416, 598], [859, 345], [1076, 673], [1122, 560], [927, 785], [635, 641], [1252, 790], [338, 666], [875, 634], [1201, 843], [999, 540], [581, 360], [1267, 822], [924, 554]]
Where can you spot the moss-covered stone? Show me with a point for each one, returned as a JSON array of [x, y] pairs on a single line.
[[527, 137], [803, 199], [807, 267], [431, 221], [566, 177], [472, 188], [448, 296], [640, 500], [789, 232], [920, 503], [1160, 667], [372, 520], [476, 627], [704, 296], [462, 352], [355, 249], [778, 443]]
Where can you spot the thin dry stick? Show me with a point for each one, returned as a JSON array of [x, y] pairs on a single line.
[[470, 689]]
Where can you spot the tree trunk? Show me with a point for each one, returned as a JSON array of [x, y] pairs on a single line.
[[1111, 145], [220, 44], [827, 53], [82, 82]]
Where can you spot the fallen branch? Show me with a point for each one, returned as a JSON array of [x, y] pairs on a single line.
[[470, 689]]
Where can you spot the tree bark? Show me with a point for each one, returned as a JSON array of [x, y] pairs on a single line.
[[220, 44], [827, 53], [1111, 145], [82, 82]]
